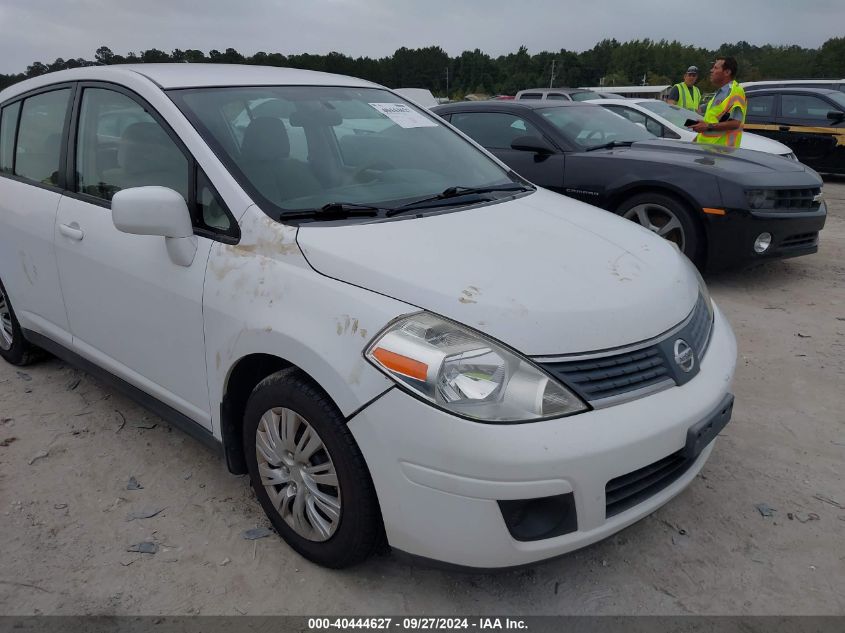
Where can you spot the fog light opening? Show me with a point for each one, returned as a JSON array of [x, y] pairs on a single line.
[[762, 243]]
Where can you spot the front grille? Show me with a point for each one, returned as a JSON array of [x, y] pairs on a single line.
[[628, 490], [797, 199], [802, 239], [613, 375], [595, 379]]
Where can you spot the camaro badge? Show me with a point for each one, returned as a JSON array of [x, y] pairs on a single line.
[[684, 356]]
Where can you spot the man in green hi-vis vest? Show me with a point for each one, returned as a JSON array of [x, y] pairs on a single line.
[[725, 114], [686, 94]]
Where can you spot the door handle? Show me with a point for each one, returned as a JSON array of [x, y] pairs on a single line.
[[783, 128], [72, 231]]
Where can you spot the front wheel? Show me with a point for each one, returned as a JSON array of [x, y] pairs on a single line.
[[308, 473], [669, 218]]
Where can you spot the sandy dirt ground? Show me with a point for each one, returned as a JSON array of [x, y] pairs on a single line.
[[69, 445]]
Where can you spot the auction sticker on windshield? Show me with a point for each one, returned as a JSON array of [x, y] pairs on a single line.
[[403, 116]]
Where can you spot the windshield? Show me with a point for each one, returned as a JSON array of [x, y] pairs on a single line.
[[591, 125], [839, 98], [584, 96], [302, 147], [672, 113]]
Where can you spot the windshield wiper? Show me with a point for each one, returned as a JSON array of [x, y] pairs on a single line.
[[339, 210], [457, 191], [610, 145]]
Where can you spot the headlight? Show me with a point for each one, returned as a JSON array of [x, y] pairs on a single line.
[[761, 198], [459, 370], [702, 287]]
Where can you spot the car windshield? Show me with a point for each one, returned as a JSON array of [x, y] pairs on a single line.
[[299, 148], [672, 113], [584, 95], [838, 98], [591, 125]]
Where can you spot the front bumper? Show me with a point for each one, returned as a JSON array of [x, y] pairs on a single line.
[[440, 479], [731, 237]]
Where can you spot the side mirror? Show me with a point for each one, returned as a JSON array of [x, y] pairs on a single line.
[[532, 144], [157, 211], [836, 116]]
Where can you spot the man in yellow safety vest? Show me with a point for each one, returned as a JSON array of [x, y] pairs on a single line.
[[725, 114], [686, 94]]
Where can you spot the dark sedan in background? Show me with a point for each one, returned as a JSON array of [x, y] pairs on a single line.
[[809, 120], [722, 207]]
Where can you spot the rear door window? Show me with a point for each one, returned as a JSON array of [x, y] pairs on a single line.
[[8, 126], [39, 142], [761, 105]]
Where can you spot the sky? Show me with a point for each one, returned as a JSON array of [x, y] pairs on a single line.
[[43, 30]]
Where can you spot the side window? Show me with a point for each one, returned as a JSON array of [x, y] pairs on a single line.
[[39, 143], [8, 125], [654, 127], [804, 107], [119, 145], [493, 129], [531, 95], [210, 212], [555, 96], [762, 105]]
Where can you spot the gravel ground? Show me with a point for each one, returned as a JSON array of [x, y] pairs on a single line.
[[69, 445]]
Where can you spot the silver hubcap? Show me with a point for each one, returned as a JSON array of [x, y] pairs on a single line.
[[298, 474], [657, 218], [5, 322]]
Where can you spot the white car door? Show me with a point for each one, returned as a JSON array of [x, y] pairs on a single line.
[[31, 132], [131, 309]]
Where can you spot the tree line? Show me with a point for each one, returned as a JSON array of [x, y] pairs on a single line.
[[608, 63]]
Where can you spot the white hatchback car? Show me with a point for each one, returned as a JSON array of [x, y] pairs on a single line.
[[391, 332], [667, 121]]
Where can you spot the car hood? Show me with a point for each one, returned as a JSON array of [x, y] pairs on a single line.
[[760, 143], [709, 158], [543, 273]]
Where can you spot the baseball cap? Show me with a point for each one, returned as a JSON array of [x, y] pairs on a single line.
[[692, 70]]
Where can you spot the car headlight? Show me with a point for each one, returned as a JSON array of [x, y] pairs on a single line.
[[761, 198], [703, 291], [460, 370]]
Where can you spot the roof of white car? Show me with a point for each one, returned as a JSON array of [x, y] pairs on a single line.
[[192, 76], [631, 101]]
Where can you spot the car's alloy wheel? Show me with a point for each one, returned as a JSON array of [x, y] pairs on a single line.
[[298, 474], [669, 217], [7, 335], [659, 219]]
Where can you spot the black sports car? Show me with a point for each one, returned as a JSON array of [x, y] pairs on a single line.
[[723, 207]]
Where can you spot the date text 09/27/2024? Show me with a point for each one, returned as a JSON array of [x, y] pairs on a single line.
[[411, 623]]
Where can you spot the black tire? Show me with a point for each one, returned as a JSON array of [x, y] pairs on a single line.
[[693, 238], [359, 528], [20, 352]]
